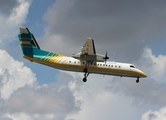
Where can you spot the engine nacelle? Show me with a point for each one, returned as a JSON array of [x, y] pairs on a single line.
[[97, 57]]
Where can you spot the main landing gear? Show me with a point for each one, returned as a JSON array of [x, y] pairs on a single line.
[[85, 70], [137, 81]]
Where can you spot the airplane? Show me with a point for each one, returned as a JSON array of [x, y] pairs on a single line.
[[86, 61]]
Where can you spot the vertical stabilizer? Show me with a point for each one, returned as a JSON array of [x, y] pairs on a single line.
[[30, 47], [28, 43]]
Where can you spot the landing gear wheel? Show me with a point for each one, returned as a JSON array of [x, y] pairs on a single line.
[[137, 81], [84, 79], [85, 70]]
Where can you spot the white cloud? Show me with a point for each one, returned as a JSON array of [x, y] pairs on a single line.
[[10, 23], [25, 116], [46, 99], [150, 90], [154, 65], [19, 14], [13, 75], [18, 116], [155, 115], [21, 97], [119, 27], [101, 98], [57, 44], [121, 98]]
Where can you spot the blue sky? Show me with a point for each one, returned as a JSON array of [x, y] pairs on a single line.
[[35, 17], [132, 32]]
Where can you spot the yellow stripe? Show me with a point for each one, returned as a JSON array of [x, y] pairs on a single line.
[[50, 57], [55, 59], [25, 42], [65, 60], [60, 59]]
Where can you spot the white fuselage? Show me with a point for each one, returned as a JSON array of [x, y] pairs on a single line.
[[108, 68]]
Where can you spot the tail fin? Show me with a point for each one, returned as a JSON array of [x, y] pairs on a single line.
[[30, 48], [28, 42]]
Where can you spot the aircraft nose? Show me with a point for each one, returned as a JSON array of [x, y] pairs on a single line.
[[143, 74]]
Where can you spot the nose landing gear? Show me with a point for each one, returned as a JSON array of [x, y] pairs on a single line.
[[137, 81]]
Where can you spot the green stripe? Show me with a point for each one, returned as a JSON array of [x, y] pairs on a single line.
[[50, 57]]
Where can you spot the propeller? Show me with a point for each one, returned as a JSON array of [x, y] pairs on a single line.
[[106, 57]]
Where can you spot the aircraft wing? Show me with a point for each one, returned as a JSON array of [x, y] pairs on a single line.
[[89, 47], [88, 52]]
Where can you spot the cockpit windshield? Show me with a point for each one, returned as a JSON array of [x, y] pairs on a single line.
[[132, 66]]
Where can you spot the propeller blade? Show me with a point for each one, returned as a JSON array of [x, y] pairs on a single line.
[[106, 57]]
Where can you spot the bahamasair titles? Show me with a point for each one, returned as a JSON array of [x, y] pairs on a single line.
[[86, 61]]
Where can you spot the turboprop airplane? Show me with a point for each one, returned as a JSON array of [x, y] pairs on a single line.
[[87, 61]]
